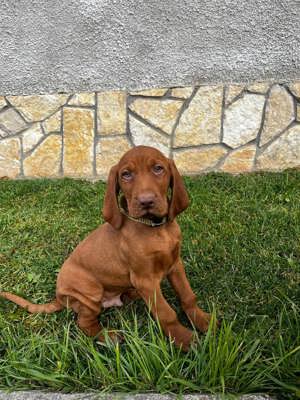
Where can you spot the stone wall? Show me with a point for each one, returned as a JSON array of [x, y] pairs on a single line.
[[235, 128]]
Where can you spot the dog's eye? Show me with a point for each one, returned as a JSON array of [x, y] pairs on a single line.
[[126, 175], [158, 169]]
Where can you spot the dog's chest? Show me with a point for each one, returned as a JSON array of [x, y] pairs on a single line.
[[157, 248]]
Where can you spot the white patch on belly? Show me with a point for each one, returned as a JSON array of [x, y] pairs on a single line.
[[114, 301]]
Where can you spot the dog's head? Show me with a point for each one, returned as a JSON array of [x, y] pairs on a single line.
[[144, 176]]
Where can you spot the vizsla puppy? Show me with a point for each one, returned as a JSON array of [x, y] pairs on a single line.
[[132, 252]]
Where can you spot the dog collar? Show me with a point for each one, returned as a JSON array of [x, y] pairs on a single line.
[[145, 221]]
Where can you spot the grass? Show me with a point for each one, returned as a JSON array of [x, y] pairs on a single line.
[[241, 249]]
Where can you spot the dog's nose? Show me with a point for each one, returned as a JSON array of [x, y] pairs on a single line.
[[146, 200]]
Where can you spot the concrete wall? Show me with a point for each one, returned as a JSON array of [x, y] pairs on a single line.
[[49, 46]]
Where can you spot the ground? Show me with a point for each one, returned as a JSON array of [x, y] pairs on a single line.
[[241, 249]]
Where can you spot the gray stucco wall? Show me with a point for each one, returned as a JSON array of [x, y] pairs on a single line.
[[84, 45]]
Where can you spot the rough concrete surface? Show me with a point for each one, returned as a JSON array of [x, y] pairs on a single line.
[[37, 395], [86, 45]]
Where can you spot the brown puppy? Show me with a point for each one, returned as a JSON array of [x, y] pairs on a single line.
[[132, 252]]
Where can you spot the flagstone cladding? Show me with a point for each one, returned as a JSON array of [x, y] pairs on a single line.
[[238, 128]]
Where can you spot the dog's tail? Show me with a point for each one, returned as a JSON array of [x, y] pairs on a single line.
[[48, 308]]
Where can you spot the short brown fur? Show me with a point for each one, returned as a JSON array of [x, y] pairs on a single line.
[[127, 259]]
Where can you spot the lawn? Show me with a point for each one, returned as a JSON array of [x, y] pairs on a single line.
[[241, 249]]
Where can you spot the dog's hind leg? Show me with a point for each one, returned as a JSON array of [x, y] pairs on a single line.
[[88, 322]]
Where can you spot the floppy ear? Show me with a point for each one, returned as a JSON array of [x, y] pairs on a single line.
[[179, 200], [111, 212]]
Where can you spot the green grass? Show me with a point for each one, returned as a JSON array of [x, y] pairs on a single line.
[[241, 249]]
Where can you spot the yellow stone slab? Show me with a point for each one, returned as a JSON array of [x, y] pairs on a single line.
[[182, 92], [2, 102], [240, 160], [45, 159], [82, 99], [31, 136], [9, 158], [53, 123], [12, 121], [298, 112], [283, 153], [259, 87], [194, 161], [147, 136], [242, 120], [279, 113], [295, 88], [201, 121], [108, 153], [160, 113], [232, 92], [111, 113], [150, 92], [78, 142], [38, 107]]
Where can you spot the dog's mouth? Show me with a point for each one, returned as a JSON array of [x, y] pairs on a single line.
[[152, 214], [153, 217]]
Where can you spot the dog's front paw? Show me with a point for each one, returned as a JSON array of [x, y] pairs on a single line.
[[182, 336], [111, 336], [200, 319]]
